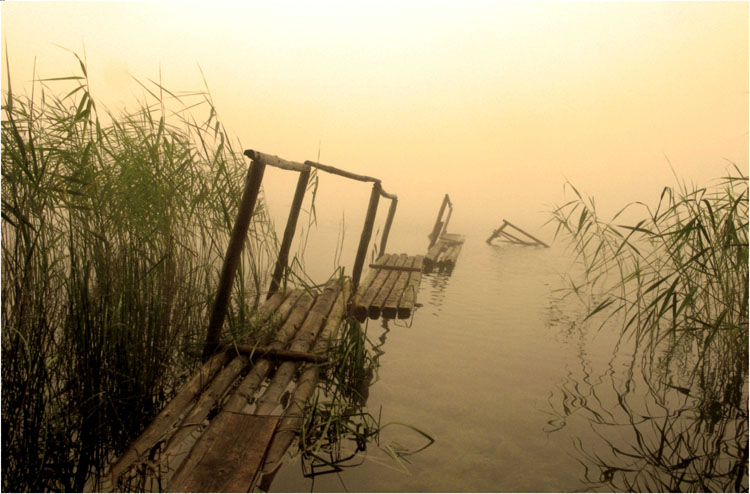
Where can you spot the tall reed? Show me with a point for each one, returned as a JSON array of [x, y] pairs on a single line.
[[675, 284], [114, 226]]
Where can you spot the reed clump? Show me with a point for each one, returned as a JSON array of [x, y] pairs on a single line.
[[114, 226], [675, 284]]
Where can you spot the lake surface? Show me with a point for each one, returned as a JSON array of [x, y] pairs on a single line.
[[518, 392], [475, 369]]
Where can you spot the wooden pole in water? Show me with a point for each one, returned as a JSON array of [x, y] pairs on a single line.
[[497, 232], [364, 239], [436, 229], [291, 225], [388, 222], [527, 234], [232, 258]]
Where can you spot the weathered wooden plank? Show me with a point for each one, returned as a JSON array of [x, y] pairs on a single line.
[[164, 422], [409, 298], [363, 286], [377, 303], [363, 300], [179, 445], [301, 343], [449, 263], [227, 458], [293, 416], [256, 352], [395, 268], [431, 259], [452, 238], [390, 306], [243, 394]]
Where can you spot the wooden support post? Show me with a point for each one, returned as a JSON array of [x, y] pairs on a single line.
[[364, 240], [436, 229], [232, 258], [291, 225], [444, 229], [527, 234], [388, 223]]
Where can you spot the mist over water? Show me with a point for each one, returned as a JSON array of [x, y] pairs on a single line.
[[496, 105]]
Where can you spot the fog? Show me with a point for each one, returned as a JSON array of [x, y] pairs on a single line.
[[497, 104]]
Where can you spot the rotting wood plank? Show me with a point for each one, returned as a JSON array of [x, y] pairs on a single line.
[[243, 394], [293, 416], [227, 462], [431, 259], [224, 422], [302, 342], [450, 259], [179, 445], [167, 418], [255, 352], [178, 407], [363, 286], [377, 303], [364, 299], [390, 306], [409, 298]]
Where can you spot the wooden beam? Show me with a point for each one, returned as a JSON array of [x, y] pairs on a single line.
[[364, 240], [254, 351], [341, 173], [388, 223], [525, 233], [232, 258], [291, 225], [275, 161]]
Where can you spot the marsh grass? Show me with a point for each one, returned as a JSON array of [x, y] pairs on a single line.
[[675, 284], [114, 226]]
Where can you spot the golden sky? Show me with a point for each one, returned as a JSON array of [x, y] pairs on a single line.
[[495, 103]]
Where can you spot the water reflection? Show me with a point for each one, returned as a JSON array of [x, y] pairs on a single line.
[[436, 284], [666, 418]]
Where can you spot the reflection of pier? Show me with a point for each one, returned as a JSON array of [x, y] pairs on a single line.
[[239, 414]]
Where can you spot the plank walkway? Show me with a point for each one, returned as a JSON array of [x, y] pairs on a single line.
[[444, 254], [390, 289], [232, 423], [224, 428]]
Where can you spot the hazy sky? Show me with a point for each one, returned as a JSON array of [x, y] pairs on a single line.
[[495, 103]]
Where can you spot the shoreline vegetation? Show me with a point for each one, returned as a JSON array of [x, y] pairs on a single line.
[[114, 226], [114, 229], [676, 285]]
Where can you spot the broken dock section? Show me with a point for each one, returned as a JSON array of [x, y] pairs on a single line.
[[518, 237], [442, 253], [231, 424]]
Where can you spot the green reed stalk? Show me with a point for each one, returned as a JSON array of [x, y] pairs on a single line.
[[676, 284], [114, 226]]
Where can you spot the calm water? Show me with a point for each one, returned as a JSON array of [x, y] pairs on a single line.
[[518, 393], [474, 368]]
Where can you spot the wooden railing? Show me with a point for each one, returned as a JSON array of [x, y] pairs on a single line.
[[242, 224]]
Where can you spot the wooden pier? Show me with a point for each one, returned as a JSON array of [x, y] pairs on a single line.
[[444, 247], [231, 423], [224, 428]]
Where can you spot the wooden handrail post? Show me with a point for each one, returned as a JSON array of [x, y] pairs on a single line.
[[364, 239], [291, 225], [436, 229], [388, 223], [232, 258], [444, 229]]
